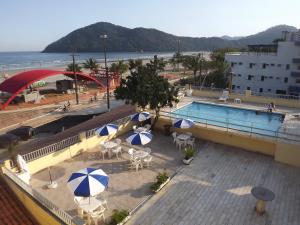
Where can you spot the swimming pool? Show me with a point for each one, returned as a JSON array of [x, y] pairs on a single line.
[[247, 120]]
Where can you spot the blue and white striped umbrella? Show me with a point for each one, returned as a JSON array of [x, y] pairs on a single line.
[[107, 129], [183, 123], [141, 116], [141, 138], [88, 182]]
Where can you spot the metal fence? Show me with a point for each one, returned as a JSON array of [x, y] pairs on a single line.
[[51, 148], [245, 127], [59, 213]]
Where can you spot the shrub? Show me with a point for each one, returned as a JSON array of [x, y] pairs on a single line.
[[189, 153], [118, 216], [160, 179]]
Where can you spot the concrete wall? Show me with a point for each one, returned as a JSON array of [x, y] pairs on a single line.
[[252, 98], [281, 151]]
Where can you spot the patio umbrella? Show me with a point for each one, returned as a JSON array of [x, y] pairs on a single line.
[[183, 123], [141, 138], [141, 116], [107, 129], [88, 182]]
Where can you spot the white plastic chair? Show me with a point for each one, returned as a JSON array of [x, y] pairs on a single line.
[[103, 201], [135, 163], [103, 151], [174, 135], [131, 152], [180, 143], [191, 142], [148, 160], [148, 150], [224, 97], [148, 127], [77, 201], [97, 214], [116, 151]]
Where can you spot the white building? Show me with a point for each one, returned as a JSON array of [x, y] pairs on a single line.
[[271, 69]]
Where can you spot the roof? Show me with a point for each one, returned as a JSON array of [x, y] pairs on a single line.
[[12, 212], [21, 81], [97, 121]]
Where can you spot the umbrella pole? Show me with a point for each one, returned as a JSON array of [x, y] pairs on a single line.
[[50, 175]]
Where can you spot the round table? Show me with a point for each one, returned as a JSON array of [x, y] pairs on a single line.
[[109, 146], [262, 195], [184, 137], [141, 154]]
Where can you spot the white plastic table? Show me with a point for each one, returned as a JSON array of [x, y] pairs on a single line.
[[89, 205], [110, 145], [140, 129], [183, 137], [141, 154]]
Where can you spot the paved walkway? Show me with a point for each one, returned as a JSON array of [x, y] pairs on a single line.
[[215, 190]]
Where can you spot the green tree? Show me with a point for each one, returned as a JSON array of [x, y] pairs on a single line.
[[78, 68], [134, 64], [92, 65], [145, 87], [119, 67], [194, 63]]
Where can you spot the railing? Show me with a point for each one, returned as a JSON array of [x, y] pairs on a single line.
[[240, 126], [91, 133], [268, 95], [51, 148], [59, 213]]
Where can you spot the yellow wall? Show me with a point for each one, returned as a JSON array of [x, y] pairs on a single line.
[[227, 138], [252, 98], [67, 153], [41, 216], [288, 153]]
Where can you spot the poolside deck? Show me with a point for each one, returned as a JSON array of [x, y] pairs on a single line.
[[127, 188], [215, 190]]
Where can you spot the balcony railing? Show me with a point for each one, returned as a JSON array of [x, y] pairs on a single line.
[[296, 60], [50, 206]]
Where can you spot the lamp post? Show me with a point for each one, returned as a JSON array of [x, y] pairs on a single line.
[[178, 53], [104, 37], [75, 76]]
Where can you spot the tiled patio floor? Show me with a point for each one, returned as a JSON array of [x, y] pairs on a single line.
[[127, 188], [215, 190]]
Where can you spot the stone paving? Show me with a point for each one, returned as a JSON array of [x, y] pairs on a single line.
[[215, 190], [127, 188]]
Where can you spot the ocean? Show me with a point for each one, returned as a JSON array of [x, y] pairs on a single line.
[[10, 61]]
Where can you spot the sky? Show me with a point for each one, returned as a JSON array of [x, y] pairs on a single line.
[[30, 25]]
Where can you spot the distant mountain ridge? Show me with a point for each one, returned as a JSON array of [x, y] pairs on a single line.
[[122, 39]]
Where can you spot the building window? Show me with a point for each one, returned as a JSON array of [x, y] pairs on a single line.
[[249, 77], [277, 78], [270, 77], [272, 64], [261, 90], [233, 87], [298, 67], [262, 78], [248, 88], [232, 64], [239, 75], [297, 81], [269, 89], [279, 65], [240, 63], [264, 65], [286, 79], [238, 87], [287, 66]]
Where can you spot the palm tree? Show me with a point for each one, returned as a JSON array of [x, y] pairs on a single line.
[[77, 67], [92, 65], [134, 64], [119, 67], [193, 63]]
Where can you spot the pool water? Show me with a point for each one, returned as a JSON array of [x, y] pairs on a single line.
[[247, 120]]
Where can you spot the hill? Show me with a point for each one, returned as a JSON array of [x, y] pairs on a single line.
[[122, 39]]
